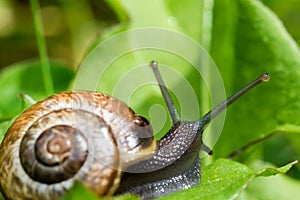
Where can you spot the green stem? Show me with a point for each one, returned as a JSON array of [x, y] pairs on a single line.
[[206, 43], [118, 8], [42, 47]]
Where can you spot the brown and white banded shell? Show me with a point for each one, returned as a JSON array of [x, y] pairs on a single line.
[[80, 135]]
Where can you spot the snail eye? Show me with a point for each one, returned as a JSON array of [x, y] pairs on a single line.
[[141, 121]]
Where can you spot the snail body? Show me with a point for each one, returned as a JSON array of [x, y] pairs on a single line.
[[95, 138]]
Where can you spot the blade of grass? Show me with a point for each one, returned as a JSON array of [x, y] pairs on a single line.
[[205, 40], [119, 10], [42, 47]]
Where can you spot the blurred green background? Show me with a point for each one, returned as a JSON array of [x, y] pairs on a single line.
[[71, 27]]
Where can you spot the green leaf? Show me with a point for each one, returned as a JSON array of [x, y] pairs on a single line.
[[274, 187], [126, 197], [257, 42], [225, 179], [26, 78], [273, 171], [26, 100], [79, 192]]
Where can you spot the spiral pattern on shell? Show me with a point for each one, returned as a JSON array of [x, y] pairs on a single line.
[[70, 136]]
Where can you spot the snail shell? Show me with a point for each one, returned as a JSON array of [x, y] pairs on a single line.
[[85, 136]]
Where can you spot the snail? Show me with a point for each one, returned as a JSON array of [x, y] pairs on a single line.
[[93, 137]]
